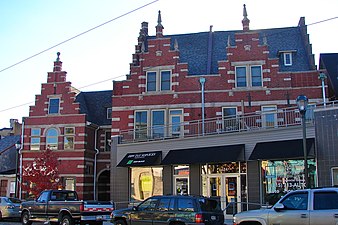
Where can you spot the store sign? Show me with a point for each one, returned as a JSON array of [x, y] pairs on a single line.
[[141, 159]]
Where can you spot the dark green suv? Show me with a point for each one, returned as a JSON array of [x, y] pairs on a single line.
[[171, 210]]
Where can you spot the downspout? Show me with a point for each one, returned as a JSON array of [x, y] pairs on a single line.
[[95, 159], [202, 81], [20, 153]]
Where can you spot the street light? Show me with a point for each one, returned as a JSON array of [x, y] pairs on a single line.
[[17, 147], [302, 102], [322, 77]]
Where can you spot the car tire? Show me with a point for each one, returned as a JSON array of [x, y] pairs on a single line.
[[120, 222], [67, 220], [25, 219]]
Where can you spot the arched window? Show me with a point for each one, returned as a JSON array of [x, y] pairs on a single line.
[[52, 139]]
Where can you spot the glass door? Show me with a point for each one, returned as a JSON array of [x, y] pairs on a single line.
[[232, 189]]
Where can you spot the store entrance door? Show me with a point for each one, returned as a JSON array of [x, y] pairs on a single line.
[[226, 188], [232, 191]]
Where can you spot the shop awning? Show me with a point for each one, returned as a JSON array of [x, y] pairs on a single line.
[[228, 153], [141, 159], [288, 149]]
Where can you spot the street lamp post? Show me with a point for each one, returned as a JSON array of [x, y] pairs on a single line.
[[302, 102], [17, 147], [202, 81], [322, 77]]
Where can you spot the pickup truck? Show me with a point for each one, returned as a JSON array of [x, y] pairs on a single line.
[[317, 206], [64, 207]]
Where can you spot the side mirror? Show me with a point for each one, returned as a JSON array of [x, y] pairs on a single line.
[[279, 207]]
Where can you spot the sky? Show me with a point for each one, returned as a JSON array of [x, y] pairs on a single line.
[[32, 32]]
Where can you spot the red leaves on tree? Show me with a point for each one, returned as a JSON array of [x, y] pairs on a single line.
[[41, 174]]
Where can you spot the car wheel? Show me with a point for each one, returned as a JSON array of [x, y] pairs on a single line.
[[66, 220], [25, 219], [120, 222]]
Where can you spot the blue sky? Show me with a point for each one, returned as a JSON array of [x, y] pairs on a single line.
[[96, 58]]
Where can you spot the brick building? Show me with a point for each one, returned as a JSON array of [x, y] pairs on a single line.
[[182, 87], [76, 126]]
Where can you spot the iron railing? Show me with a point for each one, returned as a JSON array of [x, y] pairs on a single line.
[[219, 125]]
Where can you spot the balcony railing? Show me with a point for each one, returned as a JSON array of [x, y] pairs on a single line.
[[219, 125]]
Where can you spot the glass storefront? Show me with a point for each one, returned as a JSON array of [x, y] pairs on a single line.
[[181, 180], [280, 177], [145, 182]]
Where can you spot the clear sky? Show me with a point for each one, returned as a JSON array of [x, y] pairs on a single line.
[[94, 59]]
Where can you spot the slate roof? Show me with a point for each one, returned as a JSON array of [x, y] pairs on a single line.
[[7, 156], [193, 48], [329, 61], [95, 105]]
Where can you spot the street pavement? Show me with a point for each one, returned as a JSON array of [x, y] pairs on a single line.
[[17, 222]]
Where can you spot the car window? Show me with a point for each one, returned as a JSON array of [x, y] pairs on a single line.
[[14, 200], [185, 204], [164, 204], [296, 201], [209, 205], [148, 204], [43, 197], [325, 200]]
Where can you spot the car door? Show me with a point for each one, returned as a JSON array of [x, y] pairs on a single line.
[[164, 211], [143, 213], [325, 208], [38, 209], [294, 211]]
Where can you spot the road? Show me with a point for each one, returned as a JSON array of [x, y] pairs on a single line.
[[16, 222]]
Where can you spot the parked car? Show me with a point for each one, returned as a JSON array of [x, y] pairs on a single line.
[[317, 206], [64, 207], [9, 208], [173, 210]]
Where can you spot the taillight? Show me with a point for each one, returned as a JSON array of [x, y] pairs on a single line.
[[198, 218], [82, 207]]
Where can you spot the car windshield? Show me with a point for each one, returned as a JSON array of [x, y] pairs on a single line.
[[210, 205], [14, 200]]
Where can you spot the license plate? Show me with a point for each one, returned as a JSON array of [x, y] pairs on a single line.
[[213, 217]]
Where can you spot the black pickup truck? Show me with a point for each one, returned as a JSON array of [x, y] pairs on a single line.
[[64, 207]]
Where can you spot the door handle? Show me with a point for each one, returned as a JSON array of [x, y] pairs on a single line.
[[303, 215]]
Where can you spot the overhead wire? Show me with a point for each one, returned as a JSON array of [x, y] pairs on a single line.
[[314, 23]]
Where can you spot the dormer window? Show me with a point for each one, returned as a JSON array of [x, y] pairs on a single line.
[[54, 106], [109, 113], [287, 58]]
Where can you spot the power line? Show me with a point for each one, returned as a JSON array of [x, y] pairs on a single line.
[[78, 35]]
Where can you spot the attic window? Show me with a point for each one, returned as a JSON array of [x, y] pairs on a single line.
[[109, 112], [287, 56], [287, 59], [54, 106]]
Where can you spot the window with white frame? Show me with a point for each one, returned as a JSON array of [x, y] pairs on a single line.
[[35, 138], [230, 118], [287, 58], [249, 76], [52, 139], [159, 80], [155, 123], [54, 106], [269, 116], [141, 124], [176, 128], [69, 138]]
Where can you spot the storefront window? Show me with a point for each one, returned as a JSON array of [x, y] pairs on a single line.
[[234, 167], [280, 177], [145, 182], [181, 179]]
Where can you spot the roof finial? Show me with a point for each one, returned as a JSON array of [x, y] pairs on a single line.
[[229, 44], [245, 20], [159, 27], [58, 57]]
